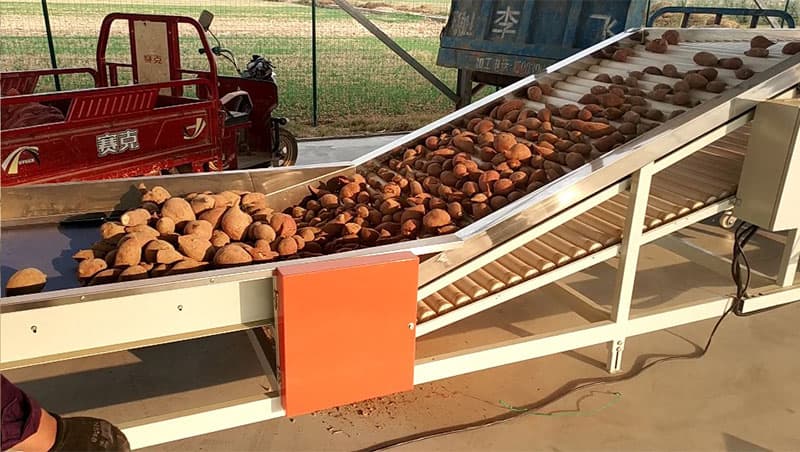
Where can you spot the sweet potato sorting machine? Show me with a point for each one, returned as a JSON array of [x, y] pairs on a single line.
[[677, 173]]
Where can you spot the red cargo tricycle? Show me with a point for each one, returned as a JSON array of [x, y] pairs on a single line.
[[145, 116]]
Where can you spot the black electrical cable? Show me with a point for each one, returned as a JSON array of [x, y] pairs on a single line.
[[555, 396], [740, 270], [741, 273]]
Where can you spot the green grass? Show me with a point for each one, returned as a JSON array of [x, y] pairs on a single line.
[[361, 83], [356, 76]]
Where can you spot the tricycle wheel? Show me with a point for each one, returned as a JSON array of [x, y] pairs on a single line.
[[286, 154]]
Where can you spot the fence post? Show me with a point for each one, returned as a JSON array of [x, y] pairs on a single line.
[[50, 45], [314, 63]]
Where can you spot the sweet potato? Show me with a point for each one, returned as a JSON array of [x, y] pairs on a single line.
[[187, 266], [730, 63], [436, 218], [503, 186], [681, 98], [654, 114], [195, 247], [611, 100], [705, 59], [232, 254], [254, 200], [156, 195], [671, 36], [760, 42], [744, 73], [507, 106], [696, 81], [283, 224], [591, 129], [709, 73], [168, 256], [681, 86], [26, 281], [605, 78], [151, 249], [82, 255], [106, 276], [201, 203], [235, 223], [716, 86], [569, 111], [179, 210], [657, 46], [791, 48], [262, 254], [132, 273], [89, 267], [159, 270], [432, 142], [757, 52], [135, 216], [535, 94], [200, 228], [518, 152], [504, 141], [165, 225], [129, 253]]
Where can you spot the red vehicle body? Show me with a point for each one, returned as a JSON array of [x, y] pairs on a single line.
[[169, 119]]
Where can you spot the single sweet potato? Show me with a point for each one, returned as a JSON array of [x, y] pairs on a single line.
[[179, 210], [156, 195], [26, 281], [89, 267], [135, 216]]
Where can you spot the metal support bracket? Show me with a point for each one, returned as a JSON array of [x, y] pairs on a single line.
[[394, 47]]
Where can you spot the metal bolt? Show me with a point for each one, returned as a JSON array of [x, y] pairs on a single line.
[[83, 297], [211, 281], [34, 329], [410, 325], [180, 307]]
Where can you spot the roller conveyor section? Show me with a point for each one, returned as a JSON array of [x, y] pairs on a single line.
[[571, 163], [584, 235]]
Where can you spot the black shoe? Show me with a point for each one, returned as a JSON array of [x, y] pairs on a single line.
[[88, 434]]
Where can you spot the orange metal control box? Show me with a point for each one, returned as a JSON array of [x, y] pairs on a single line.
[[346, 330]]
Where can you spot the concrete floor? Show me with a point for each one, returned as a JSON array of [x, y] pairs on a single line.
[[740, 397]]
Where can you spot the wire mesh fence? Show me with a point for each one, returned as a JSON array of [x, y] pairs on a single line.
[[362, 85]]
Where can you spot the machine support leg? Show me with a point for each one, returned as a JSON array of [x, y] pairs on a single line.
[[791, 253], [464, 88], [256, 337], [629, 257]]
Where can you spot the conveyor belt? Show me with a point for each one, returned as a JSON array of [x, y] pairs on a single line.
[[706, 177]]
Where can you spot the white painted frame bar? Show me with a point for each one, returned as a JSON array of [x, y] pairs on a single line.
[[791, 254], [156, 430], [54, 333], [628, 260]]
